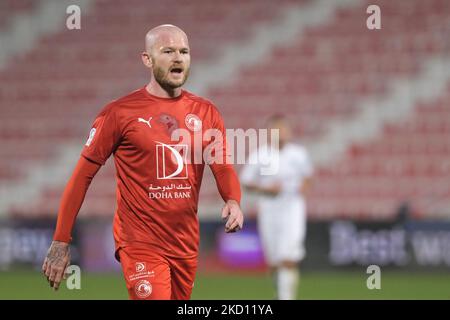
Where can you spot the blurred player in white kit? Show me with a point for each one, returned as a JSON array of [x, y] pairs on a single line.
[[281, 204]]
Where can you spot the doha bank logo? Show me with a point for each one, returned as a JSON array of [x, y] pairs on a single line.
[[140, 266], [171, 161]]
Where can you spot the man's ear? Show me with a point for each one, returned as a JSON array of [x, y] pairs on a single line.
[[146, 59]]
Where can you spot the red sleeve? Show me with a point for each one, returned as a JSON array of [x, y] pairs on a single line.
[[104, 136], [227, 182], [73, 197], [226, 178]]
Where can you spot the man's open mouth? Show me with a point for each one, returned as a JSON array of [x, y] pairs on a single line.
[[176, 70]]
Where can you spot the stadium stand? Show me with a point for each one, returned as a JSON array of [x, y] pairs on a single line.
[[50, 95]]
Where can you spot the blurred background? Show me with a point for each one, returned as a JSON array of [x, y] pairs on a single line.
[[371, 106]]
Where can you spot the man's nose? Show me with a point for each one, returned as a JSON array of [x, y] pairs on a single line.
[[177, 57]]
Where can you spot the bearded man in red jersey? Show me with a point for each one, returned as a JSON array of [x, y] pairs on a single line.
[[156, 228]]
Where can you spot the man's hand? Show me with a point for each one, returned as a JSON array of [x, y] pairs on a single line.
[[56, 262], [232, 213]]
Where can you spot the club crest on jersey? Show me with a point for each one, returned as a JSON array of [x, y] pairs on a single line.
[[169, 121], [143, 289], [170, 164], [193, 122], [91, 136]]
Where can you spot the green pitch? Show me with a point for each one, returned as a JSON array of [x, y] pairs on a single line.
[[337, 285]]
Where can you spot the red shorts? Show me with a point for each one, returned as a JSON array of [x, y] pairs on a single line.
[[152, 276]]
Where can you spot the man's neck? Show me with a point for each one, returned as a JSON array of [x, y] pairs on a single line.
[[155, 89]]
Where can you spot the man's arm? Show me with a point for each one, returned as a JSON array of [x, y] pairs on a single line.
[[229, 188], [250, 175], [226, 178], [307, 172], [305, 186], [58, 255], [272, 190]]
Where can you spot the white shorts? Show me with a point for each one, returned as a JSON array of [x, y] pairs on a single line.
[[282, 230]]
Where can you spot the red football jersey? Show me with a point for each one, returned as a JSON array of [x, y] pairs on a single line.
[[157, 187]]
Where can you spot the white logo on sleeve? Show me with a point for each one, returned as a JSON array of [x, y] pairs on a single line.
[[91, 136], [146, 121], [193, 122], [140, 266]]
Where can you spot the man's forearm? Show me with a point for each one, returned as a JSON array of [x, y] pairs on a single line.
[[251, 187], [227, 182], [270, 191], [306, 184], [73, 197]]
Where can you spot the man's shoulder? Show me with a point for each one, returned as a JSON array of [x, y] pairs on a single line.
[[203, 101], [191, 96], [136, 95], [130, 99]]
